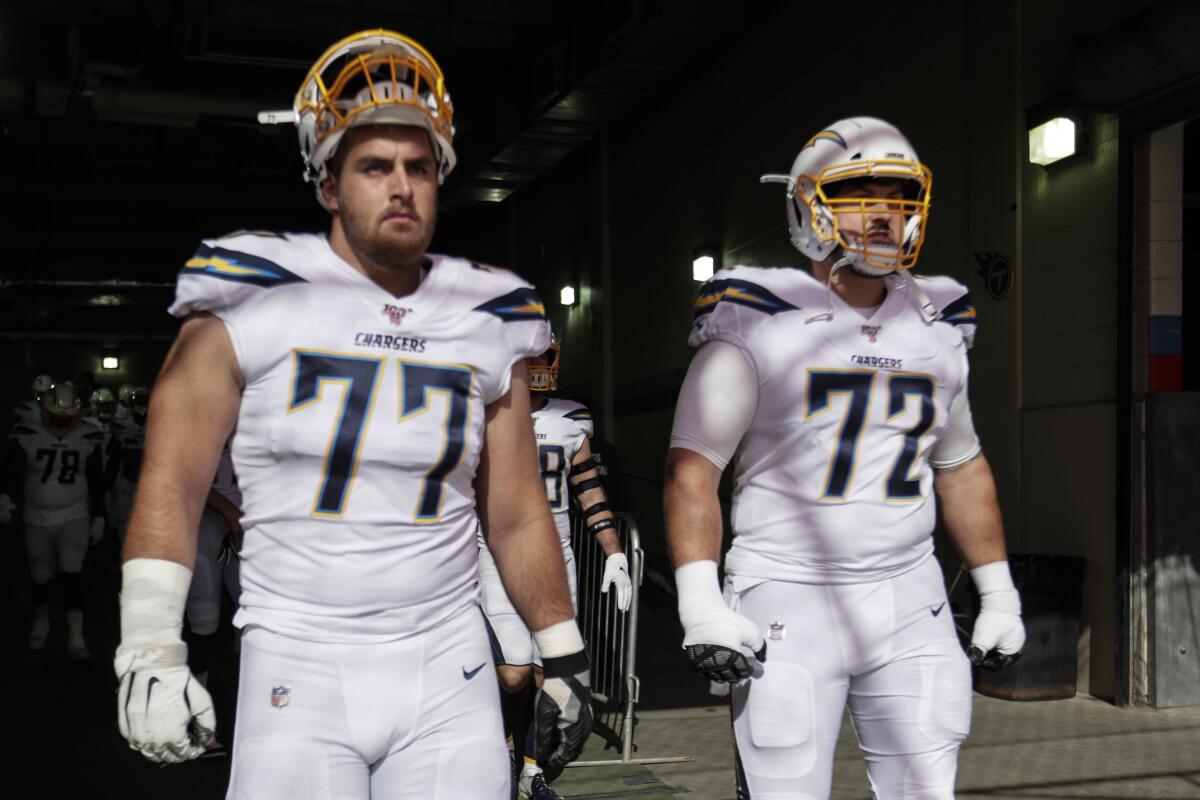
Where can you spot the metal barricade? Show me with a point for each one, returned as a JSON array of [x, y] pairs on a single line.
[[611, 640]]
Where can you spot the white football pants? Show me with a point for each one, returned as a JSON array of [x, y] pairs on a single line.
[[889, 650], [62, 545], [512, 643], [415, 719]]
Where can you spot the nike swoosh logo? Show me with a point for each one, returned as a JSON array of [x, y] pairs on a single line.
[[938, 610], [150, 690], [468, 674]]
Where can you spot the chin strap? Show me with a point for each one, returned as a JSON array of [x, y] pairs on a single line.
[[928, 310], [844, 261]]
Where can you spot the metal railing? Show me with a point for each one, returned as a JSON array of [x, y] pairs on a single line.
[[611, 639]]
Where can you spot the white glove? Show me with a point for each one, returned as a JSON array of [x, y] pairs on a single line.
[[97, 530], [164, 713], [7, 507], [616, 570], [714, 635], [999, 634]]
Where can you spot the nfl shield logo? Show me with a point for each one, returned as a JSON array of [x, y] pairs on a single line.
[[280, 696], [777, 631]]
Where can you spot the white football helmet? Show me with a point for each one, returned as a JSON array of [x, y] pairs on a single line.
[[41, 385], [61, 400], [103, 404], [375, 77], [123, 393], [856, 149]]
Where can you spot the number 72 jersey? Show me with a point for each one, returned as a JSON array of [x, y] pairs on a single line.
[[832, 482], [360, 429]]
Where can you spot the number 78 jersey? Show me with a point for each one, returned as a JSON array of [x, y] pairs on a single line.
[[832, 482], [360, 429], [560, 427]]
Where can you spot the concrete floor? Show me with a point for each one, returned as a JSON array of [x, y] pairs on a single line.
[[1078, 748]]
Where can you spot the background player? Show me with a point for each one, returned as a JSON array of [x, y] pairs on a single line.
[[367, 439], [54, 471], [124, 393], [102, 408], [31, 410], [563, 429], [846, 391], [123, 458]]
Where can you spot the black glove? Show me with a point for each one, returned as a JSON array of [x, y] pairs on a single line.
[[721, 664], [992, 660], [564, 711]]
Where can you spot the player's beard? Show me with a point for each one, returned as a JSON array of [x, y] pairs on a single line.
[[381, 242]]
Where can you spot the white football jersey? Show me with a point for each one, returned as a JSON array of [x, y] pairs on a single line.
[[360, 428], [831, 481], [560, 427], [59, 472]]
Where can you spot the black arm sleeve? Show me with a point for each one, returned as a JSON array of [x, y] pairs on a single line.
[[12, 471]]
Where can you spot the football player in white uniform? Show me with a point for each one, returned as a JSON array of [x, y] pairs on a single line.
[[31, 410], [55, 469], [380, 400], [842, 395], [124, 391], [562, 429], [102, 407], [123, 458]]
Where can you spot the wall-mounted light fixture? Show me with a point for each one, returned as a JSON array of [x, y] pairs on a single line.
[[567, 296], [706, 259], [1059, 128], [110, 362], [1052, 141]]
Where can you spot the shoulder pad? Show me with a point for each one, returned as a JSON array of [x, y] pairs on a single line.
[[94, 436], [223, 271], [719, 314], [500, 292], [22, 430], [953, 303], [579, 412]]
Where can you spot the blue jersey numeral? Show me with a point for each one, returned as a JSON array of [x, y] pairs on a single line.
[[358, 375], [900, 486], [856, 387], [416, 382]]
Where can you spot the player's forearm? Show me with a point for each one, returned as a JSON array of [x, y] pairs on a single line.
[[192, 412], [609, 542], [529, 559], [971, 513], [693, 511]]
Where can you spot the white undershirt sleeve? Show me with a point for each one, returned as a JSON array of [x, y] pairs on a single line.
[[958, 442], [716, 403]]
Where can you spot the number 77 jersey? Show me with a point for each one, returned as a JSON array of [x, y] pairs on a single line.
[[832, 482], [360, 429]]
